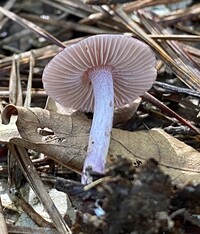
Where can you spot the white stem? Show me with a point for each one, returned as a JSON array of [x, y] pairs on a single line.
[[99, 139]]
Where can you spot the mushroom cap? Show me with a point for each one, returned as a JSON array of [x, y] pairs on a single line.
[[132, 64]]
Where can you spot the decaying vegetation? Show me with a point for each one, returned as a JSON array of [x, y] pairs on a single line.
[[152, 179]]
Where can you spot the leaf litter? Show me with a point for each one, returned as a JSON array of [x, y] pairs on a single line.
[[151, 184]]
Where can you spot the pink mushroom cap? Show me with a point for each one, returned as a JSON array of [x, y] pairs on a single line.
[[132, 64]]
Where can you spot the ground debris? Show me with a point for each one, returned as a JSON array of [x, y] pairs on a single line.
[[135, 200], [133, 196]]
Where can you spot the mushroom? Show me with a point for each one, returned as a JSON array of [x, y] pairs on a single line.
[[96, 74]]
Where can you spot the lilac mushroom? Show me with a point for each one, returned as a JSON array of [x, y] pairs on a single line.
[[96, 74]]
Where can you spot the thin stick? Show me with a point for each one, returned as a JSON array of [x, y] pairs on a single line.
[[170, 112], [189, 38], [34, 179], [27, 102], [41, 53], [27, 24]]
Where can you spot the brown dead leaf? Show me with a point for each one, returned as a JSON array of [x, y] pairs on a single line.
[[176, 158], [7, 132], [61, 137], [64, 139], [124, 113]]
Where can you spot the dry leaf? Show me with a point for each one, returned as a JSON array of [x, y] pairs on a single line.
[[124, 113], [7, 132], [54, 106], [64, 139], [61, 137], [176, 158]]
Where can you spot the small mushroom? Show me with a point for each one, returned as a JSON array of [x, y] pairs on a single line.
[[96, 74]]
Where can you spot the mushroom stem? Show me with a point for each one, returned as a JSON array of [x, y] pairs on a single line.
[[99, 138]]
